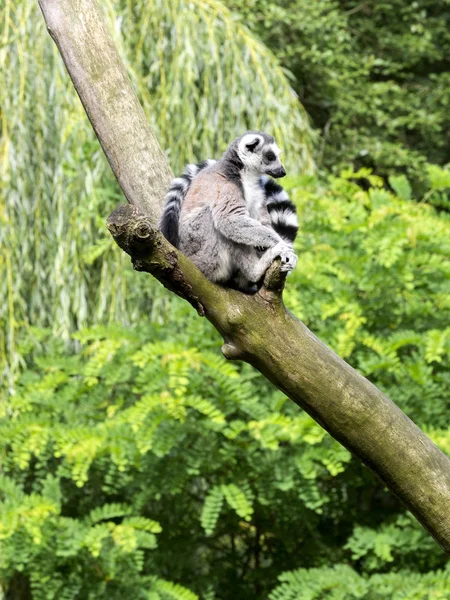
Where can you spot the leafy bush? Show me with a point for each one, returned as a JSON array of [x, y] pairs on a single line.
[[146, 466], [374, 282], [104, 447]]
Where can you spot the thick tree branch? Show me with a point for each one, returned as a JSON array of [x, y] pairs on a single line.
[[256, 328]]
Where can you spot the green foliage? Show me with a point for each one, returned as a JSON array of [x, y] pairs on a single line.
[[374, 281], [336, 583], [439, 182], [238, 500], [211, 509], [401, 186], [341, 583], [190, 64], [373, 76], [394, 541], [129, 436], [145, 466]]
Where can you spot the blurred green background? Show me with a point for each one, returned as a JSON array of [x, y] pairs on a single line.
[[135, 462]]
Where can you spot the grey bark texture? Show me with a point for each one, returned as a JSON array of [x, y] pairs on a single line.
[[257, 329]]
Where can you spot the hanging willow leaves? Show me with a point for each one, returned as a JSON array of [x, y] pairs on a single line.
[[202, 79]]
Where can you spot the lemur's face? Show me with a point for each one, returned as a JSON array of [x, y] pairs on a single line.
[[260, 156]]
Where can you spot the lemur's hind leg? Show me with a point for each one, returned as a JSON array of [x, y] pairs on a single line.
[[239, 282], [251, 271]]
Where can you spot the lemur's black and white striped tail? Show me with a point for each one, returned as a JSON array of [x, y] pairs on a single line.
[[168, 224], [282, 211]]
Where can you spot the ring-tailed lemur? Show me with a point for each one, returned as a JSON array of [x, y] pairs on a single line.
[[229, 217]]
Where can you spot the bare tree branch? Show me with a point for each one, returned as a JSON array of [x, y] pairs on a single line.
[[256, 328]]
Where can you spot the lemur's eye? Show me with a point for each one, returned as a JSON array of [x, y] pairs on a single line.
[[270, 156]]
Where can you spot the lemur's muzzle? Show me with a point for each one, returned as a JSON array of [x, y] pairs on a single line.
[[277, 173]]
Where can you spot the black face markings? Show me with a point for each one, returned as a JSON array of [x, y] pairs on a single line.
[[270, 156], [252, 145]]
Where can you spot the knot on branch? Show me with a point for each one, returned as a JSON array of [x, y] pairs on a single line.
[[274, 281], [142, 230], [132, 230], [231, 352]]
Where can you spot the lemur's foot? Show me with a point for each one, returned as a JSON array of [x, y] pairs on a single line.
[[288, 260]]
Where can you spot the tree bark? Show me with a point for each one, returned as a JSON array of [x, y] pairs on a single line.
[[257, 329]]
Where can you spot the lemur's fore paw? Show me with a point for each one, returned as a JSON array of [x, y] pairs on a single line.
[[288, 260]]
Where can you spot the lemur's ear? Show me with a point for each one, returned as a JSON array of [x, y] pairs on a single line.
[[251, 146]]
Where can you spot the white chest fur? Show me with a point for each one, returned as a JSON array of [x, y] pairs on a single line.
[[253, 193]]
